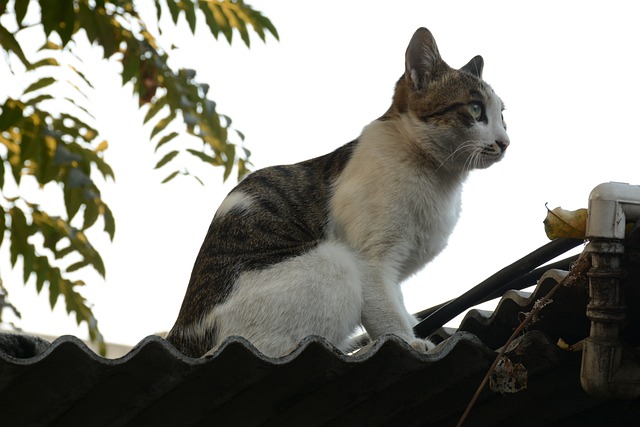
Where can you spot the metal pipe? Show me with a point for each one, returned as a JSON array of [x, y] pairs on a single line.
[[609, 371]]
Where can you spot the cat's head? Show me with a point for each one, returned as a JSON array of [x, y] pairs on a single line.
[[454, 115]]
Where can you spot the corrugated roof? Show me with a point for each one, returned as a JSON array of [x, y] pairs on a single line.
[[317, 385]]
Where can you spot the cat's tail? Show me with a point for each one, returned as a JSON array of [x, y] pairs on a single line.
[[190, 343], [21, 346], [358, 344]]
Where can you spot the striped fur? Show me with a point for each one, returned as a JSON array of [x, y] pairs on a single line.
[[320, 247]]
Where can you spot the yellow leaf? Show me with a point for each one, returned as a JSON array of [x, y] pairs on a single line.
[[563, 345], [563, 223], [570, 347], [102, 146]]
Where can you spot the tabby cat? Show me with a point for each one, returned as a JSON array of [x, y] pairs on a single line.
[[320, 247]]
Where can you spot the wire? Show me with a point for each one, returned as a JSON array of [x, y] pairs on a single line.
[[519, 275]]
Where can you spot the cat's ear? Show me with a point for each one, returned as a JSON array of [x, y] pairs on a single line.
[[422, 59], [474, 66]]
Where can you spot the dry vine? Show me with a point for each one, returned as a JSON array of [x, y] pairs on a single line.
[[579, 268]]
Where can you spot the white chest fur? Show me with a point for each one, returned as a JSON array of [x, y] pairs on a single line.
[[427, 224], [388, 209]]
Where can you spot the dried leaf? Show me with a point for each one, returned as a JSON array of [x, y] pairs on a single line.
[[508, 377], [564, 223], [570, 347]]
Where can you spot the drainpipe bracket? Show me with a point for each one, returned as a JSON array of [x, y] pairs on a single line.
[[601, 245]]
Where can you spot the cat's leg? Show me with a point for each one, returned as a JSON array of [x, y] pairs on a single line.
[[317, 293], [384, 311]]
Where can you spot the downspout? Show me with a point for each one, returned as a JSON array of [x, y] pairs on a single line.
[[609, 371]]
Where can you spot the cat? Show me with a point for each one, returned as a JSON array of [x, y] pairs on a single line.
[[20, 345], [320, 247]]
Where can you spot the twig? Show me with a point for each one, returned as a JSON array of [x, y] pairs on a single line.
[[579, 266]]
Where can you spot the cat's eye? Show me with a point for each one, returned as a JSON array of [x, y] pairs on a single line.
[[477, 110]]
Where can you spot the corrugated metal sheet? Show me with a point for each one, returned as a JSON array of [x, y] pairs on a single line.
[[316, 385]]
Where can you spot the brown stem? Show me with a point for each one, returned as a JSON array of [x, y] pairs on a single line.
[[542, 302]]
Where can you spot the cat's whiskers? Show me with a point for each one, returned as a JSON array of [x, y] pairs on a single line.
[[473, 160], [461, 147]]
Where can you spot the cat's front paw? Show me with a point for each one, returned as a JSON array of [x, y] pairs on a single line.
[[422, 345]]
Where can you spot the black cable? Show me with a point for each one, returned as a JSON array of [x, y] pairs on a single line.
[[520, 283], [532, 277], [523, 272]]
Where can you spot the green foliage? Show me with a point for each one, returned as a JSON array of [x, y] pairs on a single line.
[[63, 148]]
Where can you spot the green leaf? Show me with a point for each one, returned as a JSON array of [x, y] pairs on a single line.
[[264, 22], [198, 179], [166, 139], [80, 107], [78, 89], [10, 44], [207, 9], [76, 303], [166, 159], [64, 252], [174, 10], [106, 32], [130, 63], [54, 286], [82, 76], [42, 83], [3, 224], [103, 167], [20, 8], [222, 21], [46, 62], [190, 14], [91, 212], [87, 21], [204, 157], [170, 177], [11, 114], [154, 108], [98, 264], [49, 45], [224, 16], [1, 179], [89, 133], [158, 11], [19, 234], [67, 21], [77, 266], [42, 272], [109, 222], [243, 168], [150, 39], [73, 198], [77, 178], [38, 99], [48, 16], [59, 17], [228, 165], [28, 260], [238, 24], [162, 124]]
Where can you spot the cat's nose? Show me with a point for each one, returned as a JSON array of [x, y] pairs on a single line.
[[503, 144]]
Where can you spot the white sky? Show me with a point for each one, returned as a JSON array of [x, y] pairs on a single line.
[[567, 72]]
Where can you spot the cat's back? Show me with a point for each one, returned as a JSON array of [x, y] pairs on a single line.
[[274, 214], [289, 202]]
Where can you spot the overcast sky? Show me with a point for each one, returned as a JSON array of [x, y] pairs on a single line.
[[567, 72]]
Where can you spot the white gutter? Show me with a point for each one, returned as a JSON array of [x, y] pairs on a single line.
[[609, 370]]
